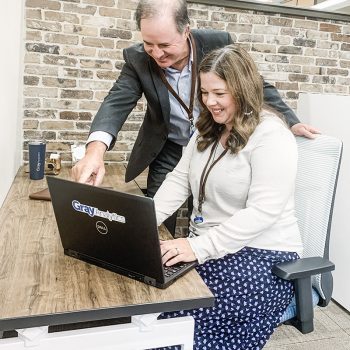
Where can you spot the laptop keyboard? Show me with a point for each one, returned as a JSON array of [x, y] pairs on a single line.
[[170, 270]]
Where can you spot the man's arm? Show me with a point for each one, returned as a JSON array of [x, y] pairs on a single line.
[[112, 114], [273, 99]]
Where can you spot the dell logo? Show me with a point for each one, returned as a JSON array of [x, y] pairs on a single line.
[[101, 227]]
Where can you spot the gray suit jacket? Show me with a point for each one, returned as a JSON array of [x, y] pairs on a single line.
[[139, 76]]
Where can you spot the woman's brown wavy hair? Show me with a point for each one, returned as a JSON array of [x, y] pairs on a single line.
[[235, 66]]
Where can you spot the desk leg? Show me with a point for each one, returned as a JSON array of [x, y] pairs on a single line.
[[144, 332]]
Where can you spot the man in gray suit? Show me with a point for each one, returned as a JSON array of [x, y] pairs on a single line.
[[163, 68]]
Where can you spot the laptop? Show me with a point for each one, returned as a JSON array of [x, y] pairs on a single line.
[[113, 230]]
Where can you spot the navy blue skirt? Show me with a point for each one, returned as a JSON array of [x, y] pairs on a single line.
[[249, 300]]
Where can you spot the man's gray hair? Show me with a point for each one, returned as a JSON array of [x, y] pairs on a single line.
[[151, 8]]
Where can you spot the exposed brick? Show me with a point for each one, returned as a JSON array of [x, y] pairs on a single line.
[[41, 25], [292, 95], [69, 115], [305, 24], [302, 60], [324, 80], [60, 60], [107, 75], [59, 82], [61, 38], [250, 38], [61, 17], [40, 113], [84, 9], [60, 104], [283, 22], [89, 105], [33, 14], [30, 124], [100, 95], [99, 22], [345, 47], [79, 94], [128, 4], [304, 42], [57, 146], [329, 45], [41, 70], [278, 40], [115, 33], [44, 4], [277, 58], [198, 14], [35, 47], [311, 87], [289, 68], [298, 77], [78, 73], [56, 125], [337, 71], [80, 30], [239, 28], [95, 85], [334, 89], [40, 92], [30, 80], [341, 37], [98, 42], [111, 54], [115, 13], [110, 3], [83, 126], [315, 52], [39, 135], [104, 64], [286, 86], [129, 25], [291, 50], [264, 48], [71, 135], [33, 36], [329, 27], [225, 17], [344, 64], [78, 51], [31, 103], [325, 62], [213, 25], [312, 70], [251, 19]]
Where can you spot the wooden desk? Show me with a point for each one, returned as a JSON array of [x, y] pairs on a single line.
[[40, 286]]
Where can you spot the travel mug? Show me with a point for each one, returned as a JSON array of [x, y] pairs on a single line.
[[36, 159]]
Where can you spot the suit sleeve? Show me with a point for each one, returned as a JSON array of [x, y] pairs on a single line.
[[273, 99], [119, 102]]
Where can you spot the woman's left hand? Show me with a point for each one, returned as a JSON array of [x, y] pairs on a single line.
[[175, 251]]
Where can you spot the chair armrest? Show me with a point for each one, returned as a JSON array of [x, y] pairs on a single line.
[[302, 268]]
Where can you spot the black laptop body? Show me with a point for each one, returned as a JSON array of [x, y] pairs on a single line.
[[113, 230]]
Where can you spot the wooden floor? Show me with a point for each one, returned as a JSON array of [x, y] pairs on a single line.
[[332, 332]]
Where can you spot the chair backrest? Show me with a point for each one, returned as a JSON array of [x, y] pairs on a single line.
[[318, 167]]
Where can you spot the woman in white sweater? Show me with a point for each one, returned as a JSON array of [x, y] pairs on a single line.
[[240, 167]]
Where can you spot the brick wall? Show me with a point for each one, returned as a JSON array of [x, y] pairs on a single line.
[[74, 54]]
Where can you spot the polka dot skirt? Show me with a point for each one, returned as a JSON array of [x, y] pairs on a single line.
[[249, 301]]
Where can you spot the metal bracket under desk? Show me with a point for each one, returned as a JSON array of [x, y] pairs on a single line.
[[143, 332]]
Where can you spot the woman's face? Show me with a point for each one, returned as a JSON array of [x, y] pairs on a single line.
[[218, 99]]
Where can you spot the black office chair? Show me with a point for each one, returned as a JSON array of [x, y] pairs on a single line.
[[317, 175]]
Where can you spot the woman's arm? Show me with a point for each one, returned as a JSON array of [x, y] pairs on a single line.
[[273, 164]]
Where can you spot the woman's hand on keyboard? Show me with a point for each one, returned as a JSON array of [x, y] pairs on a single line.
[[175, 251]]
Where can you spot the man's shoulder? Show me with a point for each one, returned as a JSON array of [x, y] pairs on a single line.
[[135, 51], [206, 34]]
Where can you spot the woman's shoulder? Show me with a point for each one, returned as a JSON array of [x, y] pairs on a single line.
[[272, 126]]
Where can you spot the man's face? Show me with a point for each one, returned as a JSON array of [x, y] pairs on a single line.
[[163, 42]]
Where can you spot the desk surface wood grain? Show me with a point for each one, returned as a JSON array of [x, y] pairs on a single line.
[[39, 285]]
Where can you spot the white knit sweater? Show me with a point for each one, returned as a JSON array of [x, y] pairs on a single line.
[[249, 196]]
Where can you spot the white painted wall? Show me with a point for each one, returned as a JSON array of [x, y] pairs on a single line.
[[11, 58], [331, 114]]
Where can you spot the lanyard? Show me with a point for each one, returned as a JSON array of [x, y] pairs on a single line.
[[204, 177], [188, 109]]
